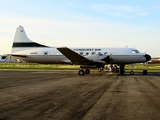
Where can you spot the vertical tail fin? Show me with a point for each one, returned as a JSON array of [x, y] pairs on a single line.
[[20, 36], [22, 42]]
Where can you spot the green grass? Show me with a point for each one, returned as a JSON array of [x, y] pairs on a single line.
[[35, 67], [141, 67], [67, 67]]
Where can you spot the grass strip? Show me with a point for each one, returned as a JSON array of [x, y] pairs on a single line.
[[67, 67]]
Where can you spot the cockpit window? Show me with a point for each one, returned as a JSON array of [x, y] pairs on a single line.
[[135, 51]]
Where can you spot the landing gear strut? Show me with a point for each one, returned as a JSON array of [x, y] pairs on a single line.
[[122, 69], [132, 72]]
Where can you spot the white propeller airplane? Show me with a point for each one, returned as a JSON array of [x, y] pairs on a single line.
[[25, 49]]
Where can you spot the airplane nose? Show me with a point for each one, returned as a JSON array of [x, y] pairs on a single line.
[[148, 57]]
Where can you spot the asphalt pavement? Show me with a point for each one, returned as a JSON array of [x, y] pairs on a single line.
[[67, 96]]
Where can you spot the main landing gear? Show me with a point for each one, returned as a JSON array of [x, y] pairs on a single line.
[[82, 72], [122, 69]]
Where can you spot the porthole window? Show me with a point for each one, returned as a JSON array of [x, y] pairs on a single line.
[[105, 53], [93, 53], [45, 53], [87, 53], [81, 53]]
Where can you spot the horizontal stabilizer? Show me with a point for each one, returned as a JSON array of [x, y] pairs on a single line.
[[18, 55]]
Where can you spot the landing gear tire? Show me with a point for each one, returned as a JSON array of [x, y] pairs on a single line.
[[87, 71], [81, 72], [131, 72]]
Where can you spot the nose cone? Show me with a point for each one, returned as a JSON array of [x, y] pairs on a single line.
[[148, 57]]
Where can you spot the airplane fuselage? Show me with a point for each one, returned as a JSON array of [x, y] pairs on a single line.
[[51, 55]]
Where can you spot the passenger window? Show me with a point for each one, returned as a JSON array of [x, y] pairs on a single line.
[[99, 53], [45, 53], [93, 53], [105, 53], [87, 53], [81, 53]]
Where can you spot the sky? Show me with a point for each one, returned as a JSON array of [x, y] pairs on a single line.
[[83, 23]]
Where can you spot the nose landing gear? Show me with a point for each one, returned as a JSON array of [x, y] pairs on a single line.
[[132, 71]]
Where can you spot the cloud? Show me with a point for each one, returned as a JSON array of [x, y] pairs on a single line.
[[120, 10], [69, 4], [143, 14]]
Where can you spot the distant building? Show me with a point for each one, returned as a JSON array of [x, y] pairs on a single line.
[[155, 60]]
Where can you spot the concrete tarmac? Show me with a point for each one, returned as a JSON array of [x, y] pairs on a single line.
[[67, 96]]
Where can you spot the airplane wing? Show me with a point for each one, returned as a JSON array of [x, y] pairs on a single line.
[[73, 56]]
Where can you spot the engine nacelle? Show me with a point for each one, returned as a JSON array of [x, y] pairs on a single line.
[[101, 58]]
